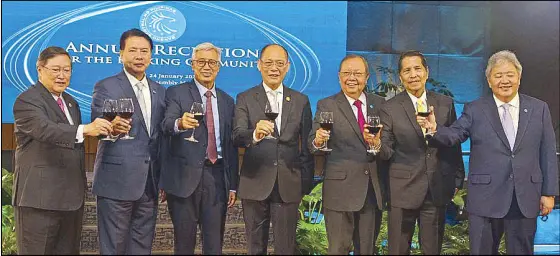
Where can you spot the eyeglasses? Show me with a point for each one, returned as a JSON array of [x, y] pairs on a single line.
[[57, 70], [201, 63], [349, 73], [269, 63]]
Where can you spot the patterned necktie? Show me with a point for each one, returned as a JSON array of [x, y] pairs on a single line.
[[60, 104], [142, 103], [507, 123], [211, 150], [420, 107], [361, 119]]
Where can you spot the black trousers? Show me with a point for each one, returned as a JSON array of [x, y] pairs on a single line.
[[360, 228], [485, 233], [431, 221], [257, 216], [127, 227], [47, 232], [206, 207]]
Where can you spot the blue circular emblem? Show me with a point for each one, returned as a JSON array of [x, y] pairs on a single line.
[[163, 23]]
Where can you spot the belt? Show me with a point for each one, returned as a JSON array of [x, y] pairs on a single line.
[[207, 162]]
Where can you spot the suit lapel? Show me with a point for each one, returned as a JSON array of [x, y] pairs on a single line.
[[411, 113], [72, 108], [51, 102], [286, 108], [129, 93], [260, 96], [491, 112], [524, 116], [346, 110]]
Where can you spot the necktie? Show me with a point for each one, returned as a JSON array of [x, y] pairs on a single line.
[[420, 107], [361, 119], [142, 103], [507, 123], [60, 104], [211, 150]]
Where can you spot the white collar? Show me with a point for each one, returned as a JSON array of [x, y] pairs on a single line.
[[513, 102]]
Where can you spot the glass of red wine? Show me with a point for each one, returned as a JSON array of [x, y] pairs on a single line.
[[271, 112], [373, 128], [426, 114], [125, 110], [326, 123], [109, 110], [197, 109]]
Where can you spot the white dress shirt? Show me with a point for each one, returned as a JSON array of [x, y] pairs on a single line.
[[145, 92], [513, 110], [80, 132], [279, 99]]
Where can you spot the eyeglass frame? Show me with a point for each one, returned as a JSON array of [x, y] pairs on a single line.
[[63, 71], [205, 61], [269, 63], [350, 73]]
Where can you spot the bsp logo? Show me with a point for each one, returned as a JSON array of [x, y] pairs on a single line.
[[163, 23]]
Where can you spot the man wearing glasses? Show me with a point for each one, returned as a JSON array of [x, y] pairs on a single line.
[[50, 181], [126, 171], [200, 176], [353, 191], [276, 172]]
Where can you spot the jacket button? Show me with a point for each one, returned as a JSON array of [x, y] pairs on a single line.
[[366, 172], [275, 163], [511, 176], [512, 156]]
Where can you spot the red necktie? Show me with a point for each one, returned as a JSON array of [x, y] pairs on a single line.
[[211, 150], [361, 120], [60, 104]]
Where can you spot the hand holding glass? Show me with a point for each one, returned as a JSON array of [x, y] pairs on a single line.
[[373, 128], [109, 111], [126, 110], [197, 109], [271, 112]]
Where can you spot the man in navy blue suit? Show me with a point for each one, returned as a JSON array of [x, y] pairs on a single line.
[[513, 167], [200, 178], [126, 172]]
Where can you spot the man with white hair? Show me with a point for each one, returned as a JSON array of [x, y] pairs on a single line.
[[513, 168], [199, 177]]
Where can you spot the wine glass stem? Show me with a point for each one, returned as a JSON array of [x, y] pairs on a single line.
[[192, 134], [326, 144]]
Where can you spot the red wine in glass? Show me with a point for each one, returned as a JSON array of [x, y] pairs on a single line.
[[326, 121], [197, 109], [109, 116], [374, 130], [271, 116], [109, 110], [198, 116], [423, 114], [126, 110], [326, 125]]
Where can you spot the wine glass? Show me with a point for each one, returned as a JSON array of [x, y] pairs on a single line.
[[326, 123], [197, 109], [126, 110], [109, 110], [428, 134], [271, 112], [373, 128]]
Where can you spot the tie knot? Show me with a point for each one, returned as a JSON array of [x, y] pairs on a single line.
[[140, 86], [208, 94], [505, 106], [358, 104], [59, 101]]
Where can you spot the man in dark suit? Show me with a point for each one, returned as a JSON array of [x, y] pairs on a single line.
[[200, 178], [513, 168], [275, 173], [422, 176], [353, 193], [126, 172], [50, 181]]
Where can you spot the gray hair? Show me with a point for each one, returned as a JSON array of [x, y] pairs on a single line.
[[500, 57], [207, 46]]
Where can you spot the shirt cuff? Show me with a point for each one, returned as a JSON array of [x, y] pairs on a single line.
[[80, 134], [176, 126], [255, 141], [234, 191]]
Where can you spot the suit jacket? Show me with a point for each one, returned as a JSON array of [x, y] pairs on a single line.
[[286, 157], [49, 171], [495, 170], [121, 167], [348, 167], [415, 166], [182, 166]]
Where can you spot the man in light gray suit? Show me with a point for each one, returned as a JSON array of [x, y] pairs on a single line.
[[50, 180], [275, 173], [513, 170], [353, 191], [126, 172]]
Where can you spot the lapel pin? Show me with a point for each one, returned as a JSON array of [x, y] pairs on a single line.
[[154, 91], [525, 110], [371, 106], [288, 99], [70, 105]]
